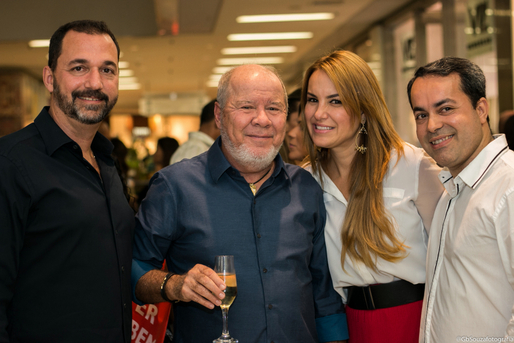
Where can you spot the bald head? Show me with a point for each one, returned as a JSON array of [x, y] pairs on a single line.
[[247, 72]]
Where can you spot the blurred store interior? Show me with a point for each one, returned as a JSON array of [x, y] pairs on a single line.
[[174, 51]]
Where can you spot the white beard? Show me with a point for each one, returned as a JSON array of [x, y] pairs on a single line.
[[244, 156]]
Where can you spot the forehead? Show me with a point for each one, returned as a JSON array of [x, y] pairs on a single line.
[[426, 84], [80, 45], [255, 84]]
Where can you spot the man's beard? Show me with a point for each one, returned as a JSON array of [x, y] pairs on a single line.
[[73, 111], [244, 156]]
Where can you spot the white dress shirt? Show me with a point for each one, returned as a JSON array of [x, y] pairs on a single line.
[[411, 190], [470, 277], [197, 143]]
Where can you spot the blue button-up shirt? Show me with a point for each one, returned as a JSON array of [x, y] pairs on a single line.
[[202, 207]]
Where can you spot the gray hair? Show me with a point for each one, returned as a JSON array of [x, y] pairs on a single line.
[[224, 85]]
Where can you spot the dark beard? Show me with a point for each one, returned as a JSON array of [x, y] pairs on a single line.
[[73, 111]]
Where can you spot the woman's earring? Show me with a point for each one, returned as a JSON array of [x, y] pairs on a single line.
[[362, 131]]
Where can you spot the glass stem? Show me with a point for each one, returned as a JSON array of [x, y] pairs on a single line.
[[224, 313]]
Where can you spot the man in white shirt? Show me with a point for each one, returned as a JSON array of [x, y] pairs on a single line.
[[469, 294], [201, 140]]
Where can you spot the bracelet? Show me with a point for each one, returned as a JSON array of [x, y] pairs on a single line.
[[163, 287]]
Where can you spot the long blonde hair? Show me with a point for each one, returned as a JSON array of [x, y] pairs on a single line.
[[368, 231]]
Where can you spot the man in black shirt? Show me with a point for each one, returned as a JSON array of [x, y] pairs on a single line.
[[65, 226]]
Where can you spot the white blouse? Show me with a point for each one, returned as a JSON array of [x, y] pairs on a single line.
[[411, 190]]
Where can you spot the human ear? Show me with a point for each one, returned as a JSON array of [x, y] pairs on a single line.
[[482, 109], [48, 78], [217, 114]]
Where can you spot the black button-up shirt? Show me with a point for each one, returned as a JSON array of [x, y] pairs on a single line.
[[65, 240]]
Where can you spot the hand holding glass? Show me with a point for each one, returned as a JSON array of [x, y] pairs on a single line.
[[224, 267]]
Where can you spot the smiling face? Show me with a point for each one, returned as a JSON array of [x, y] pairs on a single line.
[[328, 122], [84, 84], [448, 127], [253, 121]]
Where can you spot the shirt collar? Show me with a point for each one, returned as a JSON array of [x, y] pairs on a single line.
[[54, 137], [476, 169], [218, 164]]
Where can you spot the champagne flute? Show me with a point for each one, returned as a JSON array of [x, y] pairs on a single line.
[[224, 267]]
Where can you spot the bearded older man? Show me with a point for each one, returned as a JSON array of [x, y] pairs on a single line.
[[240, 199]]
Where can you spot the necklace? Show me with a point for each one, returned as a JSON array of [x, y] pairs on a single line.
[[252, 185]]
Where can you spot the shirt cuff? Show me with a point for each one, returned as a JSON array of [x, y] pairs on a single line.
[[139, 269], [332, 328]]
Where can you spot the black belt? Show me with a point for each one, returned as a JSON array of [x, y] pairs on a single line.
[[385, 295]]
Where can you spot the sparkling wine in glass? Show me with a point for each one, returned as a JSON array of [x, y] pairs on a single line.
[[224, 267]]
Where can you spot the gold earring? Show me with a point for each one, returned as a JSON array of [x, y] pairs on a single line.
[[362, 131]]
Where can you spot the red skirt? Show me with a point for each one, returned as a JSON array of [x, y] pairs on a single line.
[[399, 324]]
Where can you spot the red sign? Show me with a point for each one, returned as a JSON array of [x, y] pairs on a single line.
[[149, 322]]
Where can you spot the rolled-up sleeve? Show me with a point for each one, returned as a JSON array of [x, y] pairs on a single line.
[[153, 235]]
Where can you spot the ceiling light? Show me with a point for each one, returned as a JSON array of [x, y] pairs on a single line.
[[39, 43], [267, 18], [250, 60], [127, 80], [123, 64], [221, 70], [126, 73], [215, 77], [269, 36], [259, 50], [132, 86], [212, 83]]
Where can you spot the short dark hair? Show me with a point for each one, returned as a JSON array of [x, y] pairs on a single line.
[[472, 79], [91, 27], [293, 101], [207, 112], [169, 146]]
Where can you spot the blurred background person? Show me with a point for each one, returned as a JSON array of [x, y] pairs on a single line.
[[293, 102], [119, 153], [380, 195], [201, 140], [295, 135], [506, 126], [166, 147]]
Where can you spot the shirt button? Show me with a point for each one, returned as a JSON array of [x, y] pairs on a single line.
[[270, 306], [258, 235], [75, 147], [125, 305], [264, 270], [123, 269]]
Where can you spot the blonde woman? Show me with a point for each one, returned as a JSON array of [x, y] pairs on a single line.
[[380, 193]]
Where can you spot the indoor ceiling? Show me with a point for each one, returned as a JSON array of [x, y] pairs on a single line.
[[172, 46]]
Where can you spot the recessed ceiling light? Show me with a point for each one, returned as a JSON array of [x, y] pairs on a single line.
[[126, 73], [39, 43], [267, 18], [259, 50], [123, 64], [212, 83], [215, 77], [269, 36], [132, 86], [250, 60], [221, 70], [127, 80]]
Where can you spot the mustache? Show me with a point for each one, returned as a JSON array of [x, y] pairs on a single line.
[[90, 94]]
